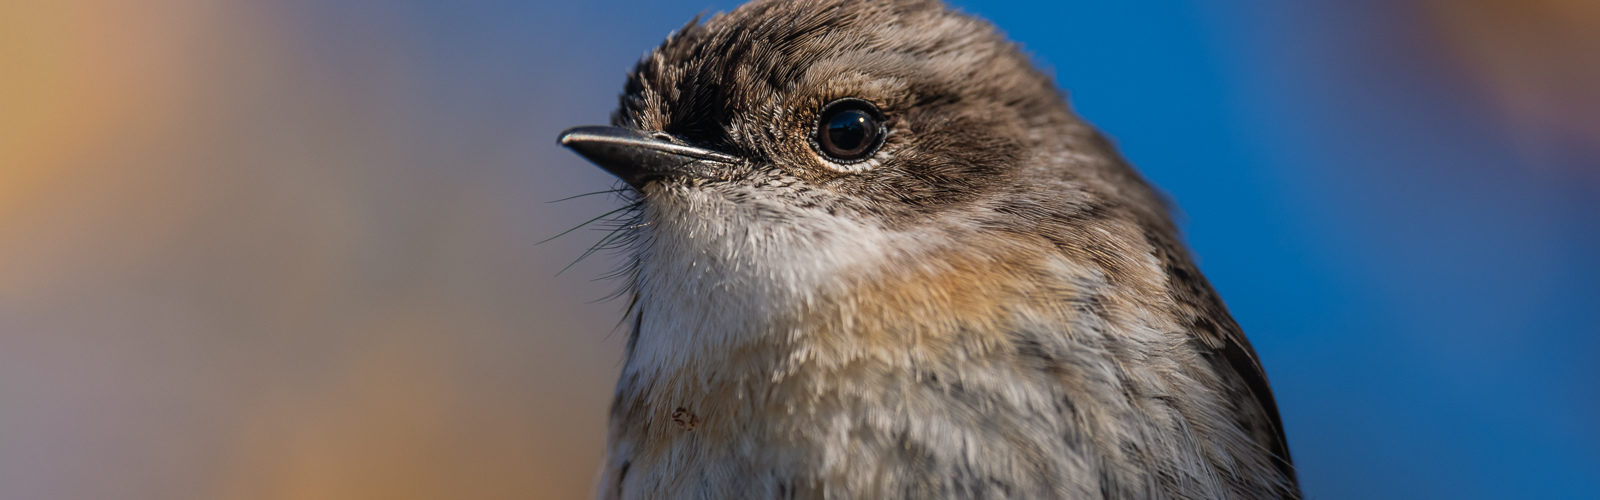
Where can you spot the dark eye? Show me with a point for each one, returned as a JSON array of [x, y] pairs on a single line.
[[849, 130]]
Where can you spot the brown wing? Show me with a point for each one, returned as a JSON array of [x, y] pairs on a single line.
[[1225, 347]]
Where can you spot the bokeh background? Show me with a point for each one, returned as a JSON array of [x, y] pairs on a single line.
[[273, 250]]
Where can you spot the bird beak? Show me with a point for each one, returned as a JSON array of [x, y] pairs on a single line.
[[639, 157]]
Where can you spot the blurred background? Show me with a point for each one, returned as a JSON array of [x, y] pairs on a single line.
[[273, 250]]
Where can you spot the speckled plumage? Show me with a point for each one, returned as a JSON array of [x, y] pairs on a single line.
[[995, 305]]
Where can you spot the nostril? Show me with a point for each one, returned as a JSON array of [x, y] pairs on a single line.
[[663, 136]]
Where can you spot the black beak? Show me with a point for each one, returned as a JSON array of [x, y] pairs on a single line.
[[640, 157]]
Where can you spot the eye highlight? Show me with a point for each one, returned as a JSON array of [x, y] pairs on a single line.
[[849, 130]]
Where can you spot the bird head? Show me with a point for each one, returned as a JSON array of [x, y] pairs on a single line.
[[784, 155]]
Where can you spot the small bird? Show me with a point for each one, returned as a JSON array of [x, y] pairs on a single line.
[[872, 253]]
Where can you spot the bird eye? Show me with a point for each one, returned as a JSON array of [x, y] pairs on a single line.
[[849, 130]]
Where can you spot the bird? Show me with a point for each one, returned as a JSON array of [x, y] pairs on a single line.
[[872, 252]]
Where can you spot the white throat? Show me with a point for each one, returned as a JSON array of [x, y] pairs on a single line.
[[715, 274]]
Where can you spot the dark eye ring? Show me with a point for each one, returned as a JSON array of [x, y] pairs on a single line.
[[849, 130]]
